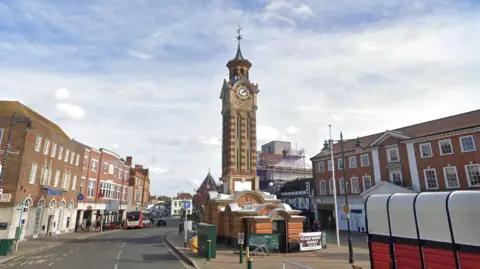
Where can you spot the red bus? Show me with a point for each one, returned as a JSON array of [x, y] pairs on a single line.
[[137, 219]]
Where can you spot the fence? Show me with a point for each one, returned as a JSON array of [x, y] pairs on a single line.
[[293, 265]]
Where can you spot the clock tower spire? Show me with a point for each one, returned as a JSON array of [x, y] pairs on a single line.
[[239, 139]]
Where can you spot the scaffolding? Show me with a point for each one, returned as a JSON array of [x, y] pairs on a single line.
[[276, 170]]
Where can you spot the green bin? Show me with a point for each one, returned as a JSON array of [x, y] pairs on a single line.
[[6, 246], [207, 232]]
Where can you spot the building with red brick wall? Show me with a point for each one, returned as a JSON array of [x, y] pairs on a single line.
[[103, 188], [208, 184], [439, 155], [41, 176], [138, 187]]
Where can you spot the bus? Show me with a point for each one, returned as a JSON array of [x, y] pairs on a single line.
[[137, 219]]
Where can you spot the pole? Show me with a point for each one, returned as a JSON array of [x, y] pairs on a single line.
[[7, 148], [185, 227], [334, 187], [350, 247], [249, 263], [241, 252], [19, 229]]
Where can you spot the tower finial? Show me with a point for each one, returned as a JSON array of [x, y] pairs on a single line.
[[239, 35]]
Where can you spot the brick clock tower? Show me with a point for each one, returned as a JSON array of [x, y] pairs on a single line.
[[239, 139]]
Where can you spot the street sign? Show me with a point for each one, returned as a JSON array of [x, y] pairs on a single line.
[[241, 238], [186, 205], [346, 208]]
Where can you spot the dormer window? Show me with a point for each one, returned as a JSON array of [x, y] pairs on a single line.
[[247, 205]]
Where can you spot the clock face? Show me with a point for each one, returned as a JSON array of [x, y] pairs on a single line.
[[243, 92]]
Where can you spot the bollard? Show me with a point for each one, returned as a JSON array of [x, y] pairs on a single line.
[[209, 249], [249, 263], [241, 252]]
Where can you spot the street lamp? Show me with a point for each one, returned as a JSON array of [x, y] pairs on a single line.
[[350, 247]]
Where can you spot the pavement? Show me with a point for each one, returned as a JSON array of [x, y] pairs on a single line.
[[123, 249], [331, 258]]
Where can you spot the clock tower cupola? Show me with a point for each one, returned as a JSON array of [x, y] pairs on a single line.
[[239, 139]]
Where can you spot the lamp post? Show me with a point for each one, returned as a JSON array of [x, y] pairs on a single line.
[[350, 247]]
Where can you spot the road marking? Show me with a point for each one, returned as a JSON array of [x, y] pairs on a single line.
[[116, 266], [120, 251], [58, 259], [77, 248], [50, 264]]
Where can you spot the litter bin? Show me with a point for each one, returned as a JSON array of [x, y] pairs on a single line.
[[6, 246], [207, 232]]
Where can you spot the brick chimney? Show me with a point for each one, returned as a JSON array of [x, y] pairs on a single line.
[[129, 160]]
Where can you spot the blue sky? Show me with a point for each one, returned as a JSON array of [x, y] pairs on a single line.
[[143, 77]]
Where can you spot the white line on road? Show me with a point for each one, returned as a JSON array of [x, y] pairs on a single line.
[[120, 251], [116, 266], [50, 264], [58, 259], [64, 254]]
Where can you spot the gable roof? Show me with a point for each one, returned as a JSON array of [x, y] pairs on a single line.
[[385, 187], [447, 124], [209, 182], [7, 108]]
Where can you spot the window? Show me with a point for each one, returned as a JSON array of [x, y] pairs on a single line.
[[426, 150], [111, 169], [33, 173], [396, 178], [120, 173], [330, 185], [66, 180], [38, 143], [126, 175], [67, 152], [60, 153], [82, 182], [124, 193], [46, 147], [430, 179], [118, 191], [77, 159], [91, 188], [367, 182], [392, 155], [467, 143], [364, 160], [340, 164], [72, 157], [46, 176], [473, 174], [451, 177], [329, 165], [445, 147], [74, 182], [57, 178], [354, 185], [323, 187], [1, 136], [54, 150], [94, 165], [85, 161], [342, 185], [352, 161], [321, 166], [105, 168]]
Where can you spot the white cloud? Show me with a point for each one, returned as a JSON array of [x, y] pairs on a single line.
[[158, 170], [303, 10], [72, 111], [211, 141], [62, 94], [267, 133], [292, 129], [115, 146]]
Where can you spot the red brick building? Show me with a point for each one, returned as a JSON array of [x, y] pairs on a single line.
[[42, 172], [138, 187], [103, 188], [431, 156], [208, 184]]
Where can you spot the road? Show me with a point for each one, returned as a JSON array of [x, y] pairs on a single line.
[[139, 249]]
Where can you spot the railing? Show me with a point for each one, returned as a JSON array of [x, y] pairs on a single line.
[[293, 265]]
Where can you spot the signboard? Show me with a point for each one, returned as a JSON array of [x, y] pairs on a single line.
[[310, 241], [241, 238], [6, 198], [80, 197], [54, 192], [186, 205]]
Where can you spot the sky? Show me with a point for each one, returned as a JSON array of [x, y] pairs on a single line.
[[143, 78]]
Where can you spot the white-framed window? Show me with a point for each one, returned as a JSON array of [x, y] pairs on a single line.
[[94, 165], [111, 169], [431, 182], [126, 175], [355, 188], [321, 166], [119, 187], [38, 143], [341, 183], [467, 143], [330, 186], [352, 161], [57, 178], [367, 182], [445, 147], [323, 187], [85, 161], [66, 180], [60, 153], [105, 168], [364, 160], [46, 147], [82, 182], [72, 157], [124, 193], [340, 163], [451, 177], [473, 174], [329, 165], [77, 159], [426, 150], [91, 188], [392, 155], [396, 178], [67, 152], [33, 173], [1, 135], [46, 176], [74, 182], [53, 152]]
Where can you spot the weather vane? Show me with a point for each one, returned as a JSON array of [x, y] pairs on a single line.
[[239, 35]]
